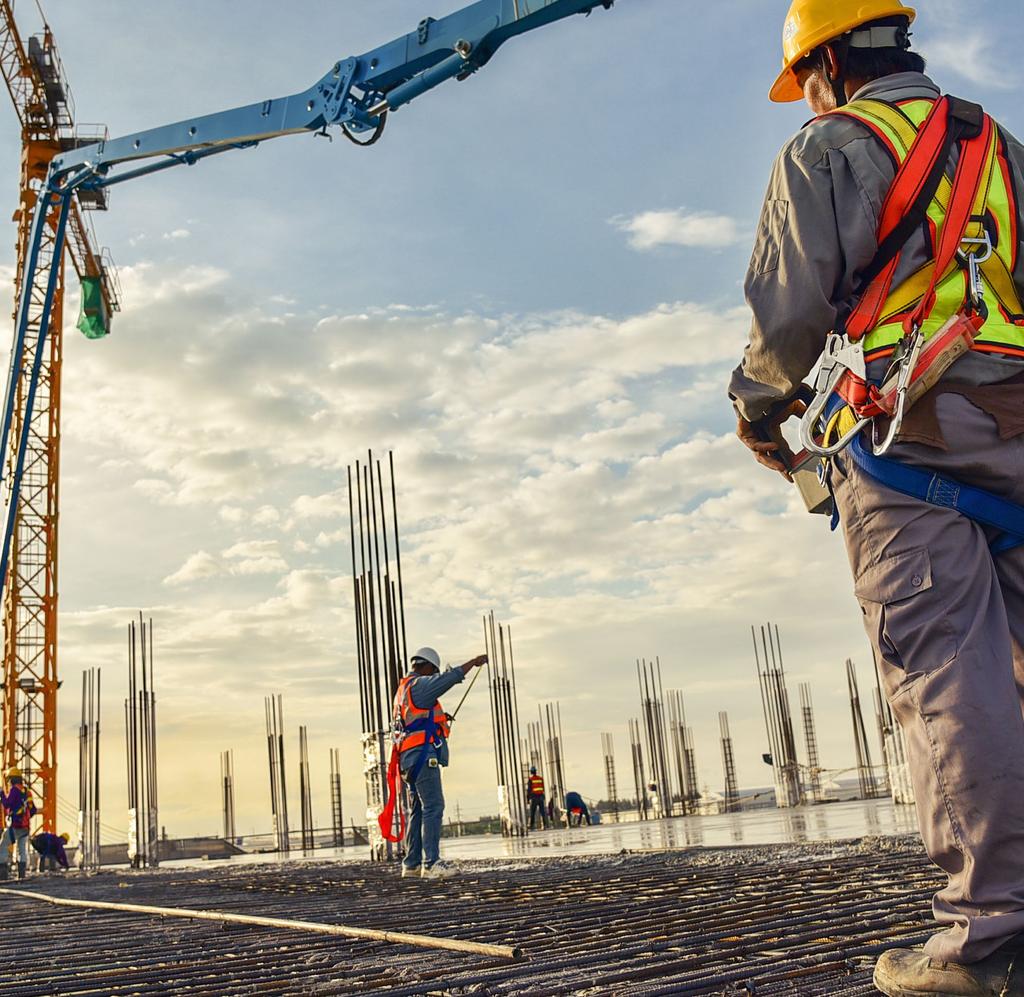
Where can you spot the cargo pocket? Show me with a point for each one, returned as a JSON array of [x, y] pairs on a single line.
[[772, 230], [904, 617]]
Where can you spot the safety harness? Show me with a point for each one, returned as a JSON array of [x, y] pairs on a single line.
[[970, 237], [412, 728], [898, 323]]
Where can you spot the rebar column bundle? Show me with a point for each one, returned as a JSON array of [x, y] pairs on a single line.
[[610, 787], [684, 750], [305, 793], [508, 760], [337, 815], [227, 794], [140, 730], [652, 712], [637, 752], [274, 709], [551, 724], [811, 743], [865, 770], [778, 718], [381, 650], [731, 793], [89, 773], [535, 746], [894, 748]]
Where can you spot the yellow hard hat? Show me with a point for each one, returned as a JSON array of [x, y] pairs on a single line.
[[65, 837], [14, 773], [811, 23]]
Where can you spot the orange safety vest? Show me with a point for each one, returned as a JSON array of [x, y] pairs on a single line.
[[535, 785], [412, 722]]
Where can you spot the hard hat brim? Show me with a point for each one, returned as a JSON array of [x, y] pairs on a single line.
[[786, 88]]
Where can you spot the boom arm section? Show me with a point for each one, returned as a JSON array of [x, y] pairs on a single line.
[[355, 94]]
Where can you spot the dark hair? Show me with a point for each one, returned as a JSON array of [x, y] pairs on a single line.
[[872, 63]]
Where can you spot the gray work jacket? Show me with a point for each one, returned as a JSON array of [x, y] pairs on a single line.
[[818, 230]]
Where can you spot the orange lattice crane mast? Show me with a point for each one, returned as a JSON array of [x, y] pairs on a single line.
[[45, 110]]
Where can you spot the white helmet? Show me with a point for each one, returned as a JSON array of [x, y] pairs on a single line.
[[427, 655]]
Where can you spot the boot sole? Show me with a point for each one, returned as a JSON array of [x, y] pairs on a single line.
[[892, 989]]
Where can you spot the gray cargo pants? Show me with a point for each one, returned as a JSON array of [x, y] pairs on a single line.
[[946, 621]]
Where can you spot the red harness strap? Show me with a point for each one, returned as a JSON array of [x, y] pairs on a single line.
[[910, 180], [386, 820], [867, 400]]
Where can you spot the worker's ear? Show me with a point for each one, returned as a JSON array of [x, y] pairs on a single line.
[[831, 63]]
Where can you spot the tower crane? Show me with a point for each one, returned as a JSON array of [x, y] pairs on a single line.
[[356, 95], [45, 109]]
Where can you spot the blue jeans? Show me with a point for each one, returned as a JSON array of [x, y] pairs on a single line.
[[15, 838], [423, 832]]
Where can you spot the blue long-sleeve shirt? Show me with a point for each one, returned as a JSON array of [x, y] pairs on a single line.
[[50, 846], [425, 691]]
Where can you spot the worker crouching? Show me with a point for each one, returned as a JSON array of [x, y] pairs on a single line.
[[51, 851], [422, 728], [18, 808]]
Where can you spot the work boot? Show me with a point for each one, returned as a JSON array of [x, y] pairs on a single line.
[[410, 870], [439, 870], [903, 973], [21, 870]]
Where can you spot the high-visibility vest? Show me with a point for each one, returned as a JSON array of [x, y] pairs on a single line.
[[20, 816], [535, 785], [413, 722], [880, 326]]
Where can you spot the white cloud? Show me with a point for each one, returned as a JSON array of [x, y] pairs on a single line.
[[972, 55], [699, 229], [198, 566], [177, 235]]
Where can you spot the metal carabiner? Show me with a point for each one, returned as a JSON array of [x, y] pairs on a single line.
[[973, 261], [908, 364], [839, 356]]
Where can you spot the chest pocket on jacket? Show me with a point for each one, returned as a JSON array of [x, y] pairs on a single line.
[[774, 220]]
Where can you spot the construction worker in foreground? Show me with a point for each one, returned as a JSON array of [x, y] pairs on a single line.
[[423, 729], [847, 244], [51, 850], [535, 796], [18, 809]]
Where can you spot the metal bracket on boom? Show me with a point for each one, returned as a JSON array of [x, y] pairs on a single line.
[[356, 95]]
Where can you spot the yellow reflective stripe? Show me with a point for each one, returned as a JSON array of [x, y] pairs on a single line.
[[900, 126]]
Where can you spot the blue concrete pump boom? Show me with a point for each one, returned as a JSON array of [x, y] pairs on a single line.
[[355, 95]]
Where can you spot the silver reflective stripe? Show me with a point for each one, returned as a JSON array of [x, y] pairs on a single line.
[[888, 36]]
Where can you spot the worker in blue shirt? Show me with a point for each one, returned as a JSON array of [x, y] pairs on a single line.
[[51, 850], [576, 809], [421, 730]]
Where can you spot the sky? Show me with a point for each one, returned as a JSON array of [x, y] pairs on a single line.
[[530, 290]]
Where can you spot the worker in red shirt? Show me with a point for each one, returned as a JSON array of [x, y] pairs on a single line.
[[535, 796]]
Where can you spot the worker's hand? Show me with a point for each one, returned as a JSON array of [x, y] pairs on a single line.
[[773, 454], [449, 718], [480, 659]]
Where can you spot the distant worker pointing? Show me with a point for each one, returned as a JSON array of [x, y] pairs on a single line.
[[422, 729], [890, 245]]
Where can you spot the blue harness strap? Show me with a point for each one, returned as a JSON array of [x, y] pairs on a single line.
[[974, 503]]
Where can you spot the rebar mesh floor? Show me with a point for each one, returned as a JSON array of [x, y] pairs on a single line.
[[793, 920]]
